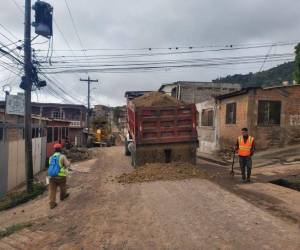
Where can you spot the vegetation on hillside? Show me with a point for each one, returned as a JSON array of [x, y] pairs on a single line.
[[273, 76], [297, 64]]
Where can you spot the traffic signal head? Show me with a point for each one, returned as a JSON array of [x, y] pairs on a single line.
[[43, 19]]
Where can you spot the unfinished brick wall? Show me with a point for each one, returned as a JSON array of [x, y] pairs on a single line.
[[228, 133], [288, 132]]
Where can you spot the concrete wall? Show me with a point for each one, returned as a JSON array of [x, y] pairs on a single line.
[[207, 136], [12, 163]]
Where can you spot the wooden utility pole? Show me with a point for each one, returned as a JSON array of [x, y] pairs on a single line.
[[89, 81], [28, 82]]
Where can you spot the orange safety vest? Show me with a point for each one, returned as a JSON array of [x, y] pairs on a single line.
[[245, 147]]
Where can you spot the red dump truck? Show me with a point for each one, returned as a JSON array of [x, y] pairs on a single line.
[[162, 129]]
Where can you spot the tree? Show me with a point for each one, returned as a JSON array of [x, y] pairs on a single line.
[[297, 64]]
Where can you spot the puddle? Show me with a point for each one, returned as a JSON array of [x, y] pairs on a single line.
[[291, 182]]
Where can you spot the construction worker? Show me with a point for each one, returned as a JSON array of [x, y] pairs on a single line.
[[245, 148], [58, 163]]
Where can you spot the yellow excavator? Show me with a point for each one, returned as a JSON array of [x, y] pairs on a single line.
[[102, 135]]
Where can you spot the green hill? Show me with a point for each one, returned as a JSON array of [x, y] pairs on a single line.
[[273, 76]]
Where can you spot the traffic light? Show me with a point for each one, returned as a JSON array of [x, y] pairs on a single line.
[[43, 19]]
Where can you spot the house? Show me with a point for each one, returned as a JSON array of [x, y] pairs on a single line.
[[271, 114], [75, 114], [196, 92]]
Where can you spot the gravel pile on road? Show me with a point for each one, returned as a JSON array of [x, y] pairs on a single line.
[[161, 172], [156, 99], [78, 154]]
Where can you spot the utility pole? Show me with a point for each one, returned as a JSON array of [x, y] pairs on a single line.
[[28, 84], [89, 81]]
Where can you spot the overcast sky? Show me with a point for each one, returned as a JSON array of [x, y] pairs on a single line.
[[132, 24]]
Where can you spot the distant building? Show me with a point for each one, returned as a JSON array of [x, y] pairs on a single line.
[[100, 111], [75, 114], [195, 92]]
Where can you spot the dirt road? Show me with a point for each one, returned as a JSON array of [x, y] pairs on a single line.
[[187, 214]]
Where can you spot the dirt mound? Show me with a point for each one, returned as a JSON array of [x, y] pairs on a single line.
[[157, 172], [78, 154], [156, 99]]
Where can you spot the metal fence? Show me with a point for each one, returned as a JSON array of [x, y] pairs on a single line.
[[12, 155]]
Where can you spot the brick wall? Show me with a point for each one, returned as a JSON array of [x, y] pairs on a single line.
[[288, 132], [228, 133]]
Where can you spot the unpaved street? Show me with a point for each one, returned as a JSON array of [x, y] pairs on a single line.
[[186, 214]]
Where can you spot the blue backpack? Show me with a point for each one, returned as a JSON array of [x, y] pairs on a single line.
[[54, 167]]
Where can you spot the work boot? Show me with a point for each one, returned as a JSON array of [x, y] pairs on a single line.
[[248, 180], [53, 205], [65, 197]]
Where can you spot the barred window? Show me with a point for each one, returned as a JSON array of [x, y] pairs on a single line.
[[231, 113], [269, 113], [207, 118]]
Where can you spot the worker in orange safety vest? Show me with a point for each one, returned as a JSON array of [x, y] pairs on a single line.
[[245, 148]]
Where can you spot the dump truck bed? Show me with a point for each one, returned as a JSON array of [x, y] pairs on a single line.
[[162, 125]]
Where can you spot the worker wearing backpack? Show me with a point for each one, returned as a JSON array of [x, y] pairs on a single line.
[[57, 173]]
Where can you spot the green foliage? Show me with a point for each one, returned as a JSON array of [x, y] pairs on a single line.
[[13, 229], [17, 198], [273, 76], [297, 64]]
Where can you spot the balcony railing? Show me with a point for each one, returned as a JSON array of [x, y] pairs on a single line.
[[75, 124]]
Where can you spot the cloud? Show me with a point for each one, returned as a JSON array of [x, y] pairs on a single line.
[[162, 23]]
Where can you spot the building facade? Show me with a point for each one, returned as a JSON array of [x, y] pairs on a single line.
[[272, 116], [196, 92], [75, 114]]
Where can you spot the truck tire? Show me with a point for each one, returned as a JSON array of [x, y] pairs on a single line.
[[127, 152]]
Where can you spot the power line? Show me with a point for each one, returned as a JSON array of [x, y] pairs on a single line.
[[74, 26], [123, 56], [8, 31]]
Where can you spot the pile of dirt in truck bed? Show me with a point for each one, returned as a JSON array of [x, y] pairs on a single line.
[[161, 172], [78, 154], [156, 99]]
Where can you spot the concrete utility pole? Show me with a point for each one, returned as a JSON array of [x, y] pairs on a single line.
[[89, 81], [28, 82]]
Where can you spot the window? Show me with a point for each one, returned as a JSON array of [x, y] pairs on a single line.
[[269, 113], [49, 134], [1, 134], [55, 134], [67, 133], [231, 113], [207, 117], [58, 115]]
